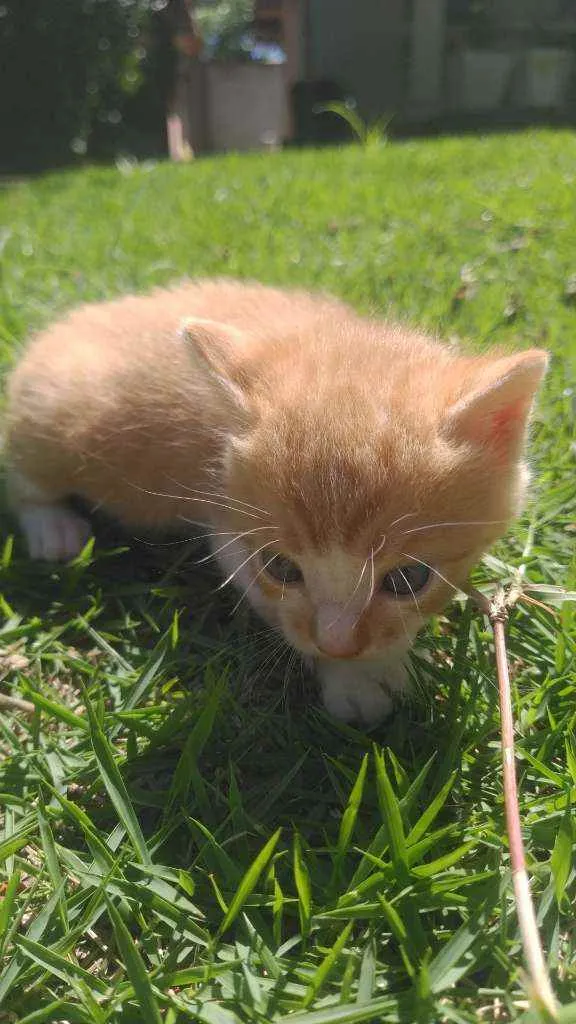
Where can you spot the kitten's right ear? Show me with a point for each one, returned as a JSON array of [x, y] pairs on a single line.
[[217, 349]]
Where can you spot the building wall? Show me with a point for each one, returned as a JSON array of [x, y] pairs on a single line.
[[361, 44]]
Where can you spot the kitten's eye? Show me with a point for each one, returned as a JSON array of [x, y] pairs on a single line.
[[406, 580], [283, 569]]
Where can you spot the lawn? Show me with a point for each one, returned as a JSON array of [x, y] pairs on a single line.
[[185, 835]]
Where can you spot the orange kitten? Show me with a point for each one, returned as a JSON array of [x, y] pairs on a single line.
[[352, 471]]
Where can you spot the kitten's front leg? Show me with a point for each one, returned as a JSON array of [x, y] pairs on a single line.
[[361, 691], [53, 532]]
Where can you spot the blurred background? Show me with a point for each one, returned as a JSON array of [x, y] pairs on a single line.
[[98, 79]]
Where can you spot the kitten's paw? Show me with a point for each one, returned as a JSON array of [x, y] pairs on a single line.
[[356, 691], [53, 532], [366, 704], [353, 694]]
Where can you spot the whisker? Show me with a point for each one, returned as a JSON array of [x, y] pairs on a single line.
[[372, 577], [286, 677], [207, 536], [470, 522], [407, 515], [258, 643], [420, 561], [273, 658], [202, 501], [284, 651], [222, 497], [399, 606], [242, 564], [376, 551], [415, 599], [260, 656], [251, 584], [235, 537], [163, 543], [400, 519]]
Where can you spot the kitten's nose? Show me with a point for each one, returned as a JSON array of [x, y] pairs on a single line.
[[336, 633]]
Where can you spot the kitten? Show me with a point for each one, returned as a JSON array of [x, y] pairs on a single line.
[[351, 471]]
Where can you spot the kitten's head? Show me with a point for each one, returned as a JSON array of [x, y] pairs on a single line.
[[365, 490]]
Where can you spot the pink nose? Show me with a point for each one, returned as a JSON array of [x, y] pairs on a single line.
[[336, 634]]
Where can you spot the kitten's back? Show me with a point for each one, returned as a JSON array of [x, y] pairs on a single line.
[[111, 392]]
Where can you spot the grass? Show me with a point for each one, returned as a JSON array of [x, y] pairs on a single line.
[[185, 836]]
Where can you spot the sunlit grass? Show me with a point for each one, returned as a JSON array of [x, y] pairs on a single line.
[[186, 836]]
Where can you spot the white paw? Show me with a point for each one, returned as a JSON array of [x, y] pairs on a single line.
[[53, 532], [356, 691], [366, 704]]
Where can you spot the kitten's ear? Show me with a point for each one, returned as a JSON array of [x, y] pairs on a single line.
[[494, 414], [217, 348]]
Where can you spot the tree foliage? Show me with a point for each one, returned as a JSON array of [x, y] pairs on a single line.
[[223, 25], [67, 72]]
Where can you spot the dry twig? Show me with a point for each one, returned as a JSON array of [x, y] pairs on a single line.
[[497, 610], [16, 704]]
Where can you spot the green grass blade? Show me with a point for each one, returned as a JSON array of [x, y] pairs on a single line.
[[390, 811], [431, 812], [16, 841], [445, 862], [58, 965], [57, 1010], [147, 679], [114, 783], [367, 977], [205, 1012], [213, 854], [270, 962], [35, 932], [187, 766], [103, 857], [400, 933], [561, 859], [411, 795], [249, 881], [52, 863], [135, 967], [327, 965], [56, 710], [445, 969], [348, 821], [7, 906], [353, 1013], [194, 975], [302, 879]]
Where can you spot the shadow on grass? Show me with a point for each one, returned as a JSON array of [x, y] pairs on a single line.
[[272, 756]]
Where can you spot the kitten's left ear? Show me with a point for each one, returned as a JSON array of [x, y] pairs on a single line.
[[495, 413], [217, 348]]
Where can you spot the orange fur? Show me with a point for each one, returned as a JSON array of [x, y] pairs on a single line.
[[350, 445]]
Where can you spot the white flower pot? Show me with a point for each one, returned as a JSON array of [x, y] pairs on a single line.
[[482, 77], [247, 105]]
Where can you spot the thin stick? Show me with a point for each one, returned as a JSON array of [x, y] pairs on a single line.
[[497, 611], [16, 704]]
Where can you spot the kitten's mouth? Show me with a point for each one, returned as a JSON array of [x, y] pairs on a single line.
[[343, 655], [365, 654]]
